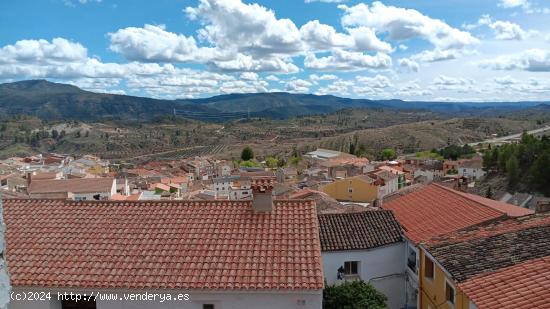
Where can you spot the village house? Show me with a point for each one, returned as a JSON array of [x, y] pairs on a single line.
[[339, 168], [364, 246], [502, 264], [362, 189], [435, 210], [471, 168], [223, 254], [287, 174], [74, 189]]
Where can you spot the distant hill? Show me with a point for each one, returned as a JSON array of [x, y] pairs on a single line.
[[54, 101]]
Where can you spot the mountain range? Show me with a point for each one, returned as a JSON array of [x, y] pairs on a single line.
[[55, 101]]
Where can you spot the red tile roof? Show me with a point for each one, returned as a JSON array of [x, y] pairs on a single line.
[[435, 210], [77, 185], [522, 286], [169, 244], [509, 209]]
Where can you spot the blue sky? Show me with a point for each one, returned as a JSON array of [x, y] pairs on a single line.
[[414, 50]]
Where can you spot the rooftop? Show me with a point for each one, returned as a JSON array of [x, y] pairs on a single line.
[[76, 185], [499, 244], [435, 210], [185, 245], [522, 286], [359, 230]]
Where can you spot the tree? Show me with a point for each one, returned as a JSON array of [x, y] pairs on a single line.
[[489, 193], [388, 154], [352, 148], [247, 154], [55, 134], [512, 171], [540, 173], [271, 162], [353, 295]]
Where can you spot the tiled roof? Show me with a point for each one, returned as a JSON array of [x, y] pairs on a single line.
[[435, 210], [522, 286], [466, 259], [509, 209], [360, 230], [78, 185], [491, 228], [164, 245]]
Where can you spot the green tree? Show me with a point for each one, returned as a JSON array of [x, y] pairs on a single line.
[[512, 171], [353, 295], [55, 134], [489, 192], [247, 154], [352, 148], [281, 162], [295, 161], [388, 154], [540, 173], [271, 162]]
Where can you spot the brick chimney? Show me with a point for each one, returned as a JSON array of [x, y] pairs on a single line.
[[262, 200], [543, 206]]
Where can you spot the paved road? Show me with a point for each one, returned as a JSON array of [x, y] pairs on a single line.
[[504, 138]]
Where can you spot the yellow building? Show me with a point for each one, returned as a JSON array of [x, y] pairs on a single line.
[[437, 289], [354, 189]]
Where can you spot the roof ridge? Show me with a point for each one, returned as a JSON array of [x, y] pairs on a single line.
[[464, 195]]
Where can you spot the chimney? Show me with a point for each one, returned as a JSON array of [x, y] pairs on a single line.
[[543, 206], [262, 200], [29, 179]]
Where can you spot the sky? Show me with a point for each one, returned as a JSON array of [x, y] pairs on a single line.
[[452, 50]]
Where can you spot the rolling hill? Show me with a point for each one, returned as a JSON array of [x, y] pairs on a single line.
[[54, 101]]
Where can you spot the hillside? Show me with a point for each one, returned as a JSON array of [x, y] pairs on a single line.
[[53, 101]]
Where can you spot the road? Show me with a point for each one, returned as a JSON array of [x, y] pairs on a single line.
[[504, 138]]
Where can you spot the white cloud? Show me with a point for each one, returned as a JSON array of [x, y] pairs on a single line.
[[341, 60], [379, 81], [436, 55], [249, 76], [403, 24], [408, 64], [315, 77], [443, 80], [547, 38], [514, 3], [403, 47], [534, 60], [298, 85], [506, 80], [247, 28], [58, 50], [505, 30], [272, 78], [154, 43]]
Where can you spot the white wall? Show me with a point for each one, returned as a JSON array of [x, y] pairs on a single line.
[[222, 300], [375, 263]]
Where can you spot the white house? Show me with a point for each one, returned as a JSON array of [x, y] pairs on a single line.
[[472, 169], [221, 254], [364, 246], [75, 189]]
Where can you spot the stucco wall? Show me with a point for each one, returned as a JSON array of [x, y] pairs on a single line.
[[222, 300], [361, 190], [383, 267], [433, 291]]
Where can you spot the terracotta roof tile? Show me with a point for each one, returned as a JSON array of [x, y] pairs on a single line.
[[168, 244], [77, 185], [435, 210], [522, 286], [497, 245], [359, 230]]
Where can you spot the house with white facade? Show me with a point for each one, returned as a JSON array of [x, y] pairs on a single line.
[[221, 254], [364, 246], [472, 169], [75, 189]]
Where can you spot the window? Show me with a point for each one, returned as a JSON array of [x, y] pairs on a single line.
[[350, 190], [449, 292], [411, 260], [351, 268], [428, 268], [208, 306]]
